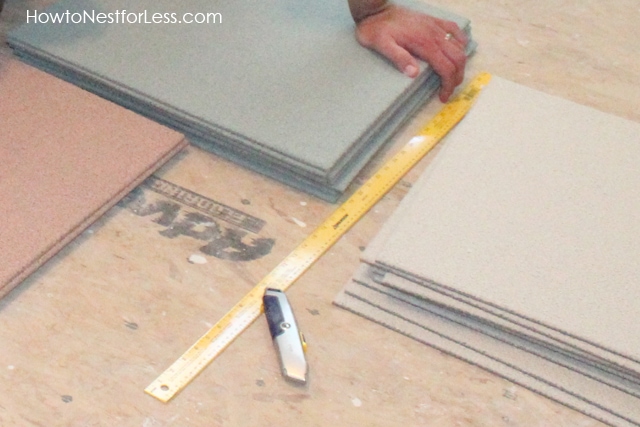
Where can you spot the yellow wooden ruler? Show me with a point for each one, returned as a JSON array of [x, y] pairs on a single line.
[[209, 346]]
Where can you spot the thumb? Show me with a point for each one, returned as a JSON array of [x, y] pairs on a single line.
[[399, 56], [402, 59]]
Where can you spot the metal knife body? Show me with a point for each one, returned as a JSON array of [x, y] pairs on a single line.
[[287, 338]]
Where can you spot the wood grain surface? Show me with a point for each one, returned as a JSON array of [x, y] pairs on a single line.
[[84, 335]]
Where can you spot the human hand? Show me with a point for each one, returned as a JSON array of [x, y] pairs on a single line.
[[403, 35]]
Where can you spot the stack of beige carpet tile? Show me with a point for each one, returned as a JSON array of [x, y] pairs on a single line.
[[518, 250]]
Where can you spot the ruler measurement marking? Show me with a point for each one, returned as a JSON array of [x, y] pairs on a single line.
[[245, 312]]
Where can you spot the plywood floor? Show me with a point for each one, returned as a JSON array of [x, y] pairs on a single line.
[[89, 331]]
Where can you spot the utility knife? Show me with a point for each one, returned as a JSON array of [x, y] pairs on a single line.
[[286, 336]]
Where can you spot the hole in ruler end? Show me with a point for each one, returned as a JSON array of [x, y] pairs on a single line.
[[164, 387]]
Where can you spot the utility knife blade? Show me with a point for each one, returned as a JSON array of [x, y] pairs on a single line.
[[287, 338]]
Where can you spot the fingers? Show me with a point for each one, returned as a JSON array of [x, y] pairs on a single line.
[[446, 55], [453, 29], [399, 56], [453, 73], [404, 36], [449, 75]]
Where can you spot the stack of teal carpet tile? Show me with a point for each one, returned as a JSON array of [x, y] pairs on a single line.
[[279, 86]]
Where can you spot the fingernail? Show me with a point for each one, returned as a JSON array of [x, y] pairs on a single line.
[[411, 70]]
